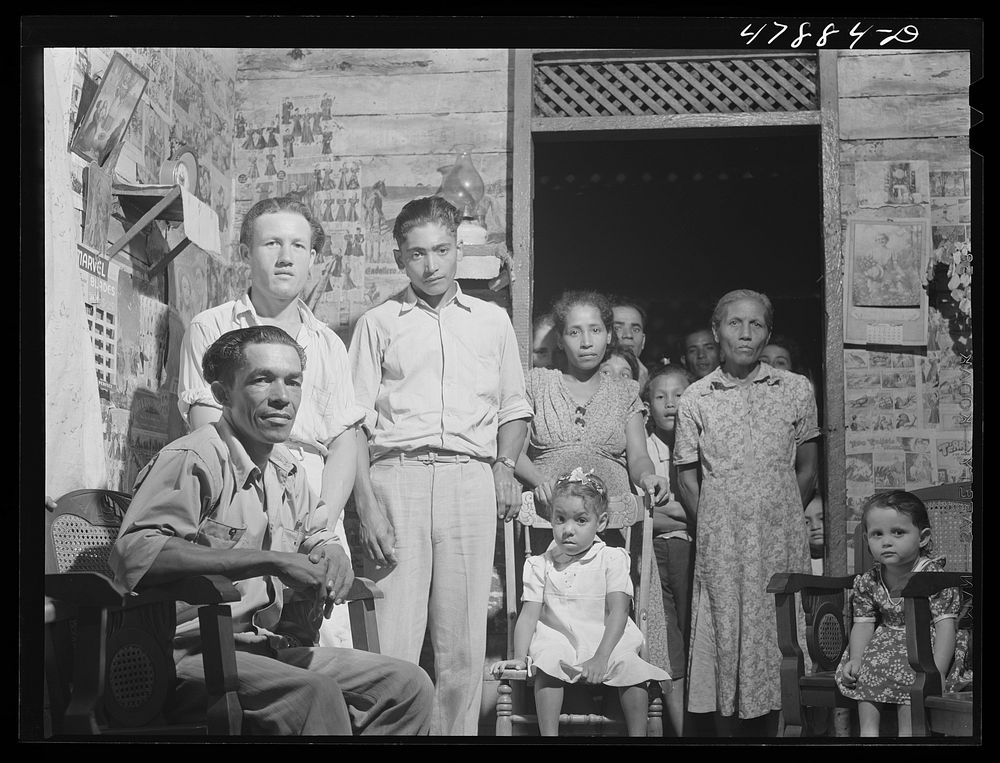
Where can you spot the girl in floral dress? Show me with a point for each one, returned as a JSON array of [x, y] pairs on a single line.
[[874, 669]]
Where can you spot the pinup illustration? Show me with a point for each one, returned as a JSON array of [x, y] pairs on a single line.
[[307, 133], [352, 181], [348, 282], [887, 265]]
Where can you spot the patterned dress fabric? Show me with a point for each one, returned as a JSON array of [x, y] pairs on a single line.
[[750, 527], [886, 675]]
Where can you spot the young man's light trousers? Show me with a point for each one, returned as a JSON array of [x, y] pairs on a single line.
[[443, 514]]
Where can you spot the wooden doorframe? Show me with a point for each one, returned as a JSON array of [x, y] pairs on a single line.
[[526, 126]]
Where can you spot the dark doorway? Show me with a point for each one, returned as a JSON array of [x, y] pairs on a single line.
[[678, 220]]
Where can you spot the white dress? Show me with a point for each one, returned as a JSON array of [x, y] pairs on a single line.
[[571, 624]]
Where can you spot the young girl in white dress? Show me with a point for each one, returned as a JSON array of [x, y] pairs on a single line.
[[574, 624]]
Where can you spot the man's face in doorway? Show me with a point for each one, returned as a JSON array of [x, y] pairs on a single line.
[[629, 328], [701, 353]]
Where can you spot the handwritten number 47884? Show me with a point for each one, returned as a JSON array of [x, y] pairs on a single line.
[[904, 35]]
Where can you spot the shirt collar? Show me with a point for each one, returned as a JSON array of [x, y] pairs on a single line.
[[660, 447], [764, 374], [244, 307], [411, 300], [559, 557], [243, 466]]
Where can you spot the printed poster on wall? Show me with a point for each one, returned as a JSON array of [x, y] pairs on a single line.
[[895, 183], [884, 300]]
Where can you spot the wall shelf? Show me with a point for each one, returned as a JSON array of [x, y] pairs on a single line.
[[141, 205]]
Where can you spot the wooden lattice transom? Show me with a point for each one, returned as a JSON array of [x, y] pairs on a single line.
[[700, 85]]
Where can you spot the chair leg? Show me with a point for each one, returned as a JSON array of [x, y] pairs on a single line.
[[505, 707], [225, 716], [654, 716], [88, 672]]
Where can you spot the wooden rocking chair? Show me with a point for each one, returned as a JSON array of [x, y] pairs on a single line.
[[828, 620], [109, 662]]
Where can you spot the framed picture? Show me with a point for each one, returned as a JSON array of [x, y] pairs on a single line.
[[885, 299], [107, 117]]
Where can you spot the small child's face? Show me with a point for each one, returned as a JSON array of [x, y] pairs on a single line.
[[616, 367], [893, 538], [543, 347], [814, 523], [429, 256], [777, 356], [664, 393], [574, 525]]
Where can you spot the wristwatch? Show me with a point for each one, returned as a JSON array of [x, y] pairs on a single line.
[[509, 462]]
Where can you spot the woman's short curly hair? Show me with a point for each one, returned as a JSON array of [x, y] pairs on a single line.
[[570, 299]]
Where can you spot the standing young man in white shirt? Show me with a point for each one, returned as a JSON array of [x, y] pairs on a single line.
[[279, 238], [439, 376]]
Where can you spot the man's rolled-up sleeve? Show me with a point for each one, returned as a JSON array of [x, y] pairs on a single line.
[[169, 496], [513, 399], [192, 389], [312, 512], [343, 412], [365, 361]]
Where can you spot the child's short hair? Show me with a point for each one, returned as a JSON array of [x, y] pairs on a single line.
[[429, 209], [588, 487], [664, 369], [905, 503], [626, 354]]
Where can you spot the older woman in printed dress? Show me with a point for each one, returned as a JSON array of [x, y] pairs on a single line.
[[753, 429]]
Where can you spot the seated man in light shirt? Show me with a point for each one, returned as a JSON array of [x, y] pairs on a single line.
[[228, 499], [440, 377], [279, 238]]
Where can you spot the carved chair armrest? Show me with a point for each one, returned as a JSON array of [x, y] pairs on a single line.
[[794, 582], [196, 589], [512, 674], [925, 584], [87, 589], [362, 589]]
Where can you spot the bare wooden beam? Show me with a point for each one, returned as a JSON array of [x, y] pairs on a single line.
[[523, 149], [835, 562], [674, 121]]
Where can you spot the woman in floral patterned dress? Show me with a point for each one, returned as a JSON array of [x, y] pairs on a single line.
[[584, 418], [752, 429]]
